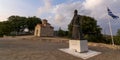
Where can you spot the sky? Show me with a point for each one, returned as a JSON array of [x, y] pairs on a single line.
[[59, 13]]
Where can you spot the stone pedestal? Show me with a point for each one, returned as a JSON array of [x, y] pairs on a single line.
[[79, 45]]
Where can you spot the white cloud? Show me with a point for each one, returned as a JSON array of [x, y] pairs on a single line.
[[59, 18], [99, 11], [91, 4], [62, 14], [46, 8], [15, 7], [93, 8]]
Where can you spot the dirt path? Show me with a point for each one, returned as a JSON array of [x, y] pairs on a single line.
[[32, 48]]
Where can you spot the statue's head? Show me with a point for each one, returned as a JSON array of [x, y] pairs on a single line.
[[75, 12]]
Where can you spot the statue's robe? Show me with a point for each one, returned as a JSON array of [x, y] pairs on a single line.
[[76, 27]]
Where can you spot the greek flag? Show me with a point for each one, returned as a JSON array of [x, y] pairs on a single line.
[[111, 14]]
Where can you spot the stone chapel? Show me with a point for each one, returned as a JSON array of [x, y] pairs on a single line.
[[44, 30]]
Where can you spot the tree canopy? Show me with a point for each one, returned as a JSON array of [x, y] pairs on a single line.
[[90, 29], [16, 23], [118, 32]]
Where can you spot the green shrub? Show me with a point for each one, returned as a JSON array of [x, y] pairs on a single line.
[[117, 40]]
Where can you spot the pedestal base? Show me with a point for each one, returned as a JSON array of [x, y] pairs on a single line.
[[79, 45], [86, 55]]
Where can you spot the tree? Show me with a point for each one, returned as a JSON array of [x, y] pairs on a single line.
[[32, 21], [118, 32], [5, 28], [60, 32], [117, 38], [16, 23], [90, 29]]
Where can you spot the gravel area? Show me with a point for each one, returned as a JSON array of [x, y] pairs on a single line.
[[34, 48]]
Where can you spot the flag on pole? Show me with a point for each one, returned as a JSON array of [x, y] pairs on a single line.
[[111, 14]]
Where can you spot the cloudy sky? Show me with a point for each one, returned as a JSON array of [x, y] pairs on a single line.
[[60, 12]]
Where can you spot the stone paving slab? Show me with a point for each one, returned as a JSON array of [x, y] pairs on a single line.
[[85, 55]]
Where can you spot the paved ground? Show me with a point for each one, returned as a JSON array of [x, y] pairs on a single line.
[[32, 48]]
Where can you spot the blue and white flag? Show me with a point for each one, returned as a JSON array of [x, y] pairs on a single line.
[[111, 14]]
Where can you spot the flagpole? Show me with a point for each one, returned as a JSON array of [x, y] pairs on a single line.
[[111, 33]]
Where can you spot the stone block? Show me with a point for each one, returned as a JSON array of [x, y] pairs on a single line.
[[78, 45]]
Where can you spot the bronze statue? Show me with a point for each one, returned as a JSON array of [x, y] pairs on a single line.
[[76, 26]]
